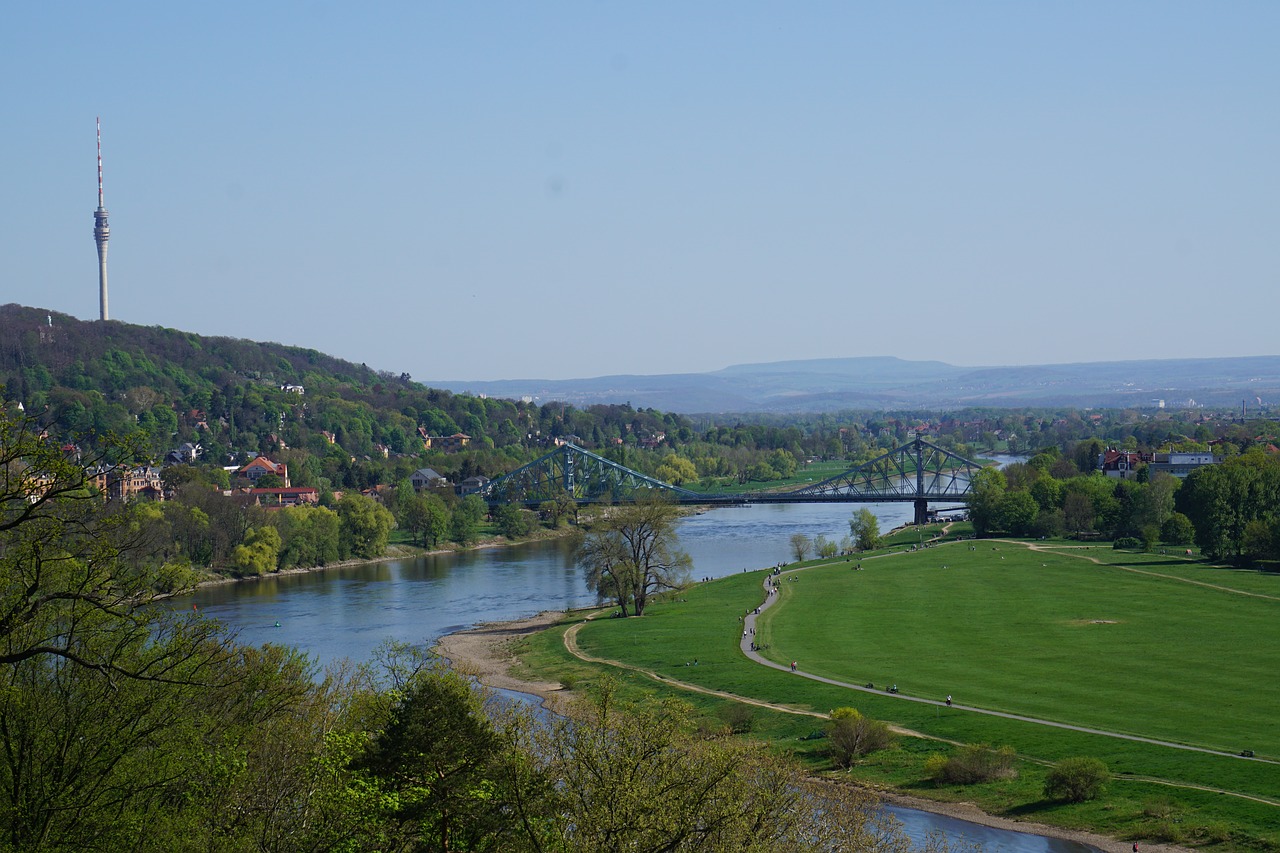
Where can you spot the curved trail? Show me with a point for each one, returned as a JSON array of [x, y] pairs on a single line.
[[571, 645]]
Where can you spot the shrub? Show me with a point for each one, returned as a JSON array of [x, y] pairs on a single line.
[[851, 736], [738, 717], [974, 763], [1076, 780], [1127, 542]]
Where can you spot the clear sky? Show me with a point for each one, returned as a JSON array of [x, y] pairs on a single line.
[[553, 190]]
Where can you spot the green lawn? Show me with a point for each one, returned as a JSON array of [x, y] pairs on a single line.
[[1047, 635], [1037, 633]]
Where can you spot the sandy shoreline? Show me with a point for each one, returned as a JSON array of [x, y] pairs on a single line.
[[485, 652]]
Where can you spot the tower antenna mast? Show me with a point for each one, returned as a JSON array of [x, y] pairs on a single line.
[[100, 234]]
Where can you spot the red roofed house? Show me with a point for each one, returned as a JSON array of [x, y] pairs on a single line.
[[262, 465]]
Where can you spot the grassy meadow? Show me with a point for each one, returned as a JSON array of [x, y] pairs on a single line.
[[1150, 645]]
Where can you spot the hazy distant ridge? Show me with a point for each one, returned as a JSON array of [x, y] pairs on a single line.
[[888, 382]]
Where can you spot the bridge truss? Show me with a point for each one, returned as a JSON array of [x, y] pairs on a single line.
[[917, 471]]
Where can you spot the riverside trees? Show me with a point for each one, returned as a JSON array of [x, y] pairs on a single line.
[[632, 552]]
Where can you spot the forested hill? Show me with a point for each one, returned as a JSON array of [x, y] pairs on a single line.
[[340, 420]]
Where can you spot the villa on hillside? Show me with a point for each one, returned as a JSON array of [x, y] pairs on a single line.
[[426, 478], [444, 443], [260, 466], [472, 485]]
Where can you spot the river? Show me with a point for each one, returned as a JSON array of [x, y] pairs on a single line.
[[346, 613]]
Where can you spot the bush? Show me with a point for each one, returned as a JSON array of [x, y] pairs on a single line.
[[1076, 780], [1127, 542], [974, 763], [738, 717], [851, 736]]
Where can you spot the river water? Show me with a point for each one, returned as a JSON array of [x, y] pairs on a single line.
[[346, 613]]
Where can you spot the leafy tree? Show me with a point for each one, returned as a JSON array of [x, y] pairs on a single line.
[[465, 519], [864, 527], [427, 518], [365, 526], [851, 736], [259, 552], [1016, 513], [633, 552], [1076, 780], [512, 521], [431, 774], [310, 536], [677, 471], [800, 545], [985, 494], [1177, 530]]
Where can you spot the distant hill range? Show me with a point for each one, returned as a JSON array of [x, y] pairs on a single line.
[[883, 383]]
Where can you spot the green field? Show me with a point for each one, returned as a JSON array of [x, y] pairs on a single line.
[[1049, 635], [1145, 644]]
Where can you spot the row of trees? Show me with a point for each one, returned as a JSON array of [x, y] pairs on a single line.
[[1050, 495]]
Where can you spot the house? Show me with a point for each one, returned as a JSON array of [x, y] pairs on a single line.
[[426, 478], [1122, 464], [186, 454], [472, 485], [293, 389], [125, 483], [446, 443], [1182, 463], [261, 465], [283, 497]]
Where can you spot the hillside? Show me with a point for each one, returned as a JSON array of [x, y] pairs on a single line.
[[346, 423], [882, 383]]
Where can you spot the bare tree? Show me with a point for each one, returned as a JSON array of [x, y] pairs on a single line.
[[632, 553]]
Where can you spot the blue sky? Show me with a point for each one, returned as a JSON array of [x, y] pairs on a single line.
[[554, 190]]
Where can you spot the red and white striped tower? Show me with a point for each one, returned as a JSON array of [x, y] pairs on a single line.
[[100, 234]]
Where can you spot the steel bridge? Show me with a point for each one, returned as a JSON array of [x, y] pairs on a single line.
[[917, 471]]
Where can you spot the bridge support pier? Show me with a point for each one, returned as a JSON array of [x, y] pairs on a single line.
[[922, 511]]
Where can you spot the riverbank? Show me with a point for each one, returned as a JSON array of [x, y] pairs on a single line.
[[393, 552], [485, 652]]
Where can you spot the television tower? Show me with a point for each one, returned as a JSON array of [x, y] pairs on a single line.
[[100, 233]]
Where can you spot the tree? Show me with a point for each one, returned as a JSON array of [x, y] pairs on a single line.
[[1076, 780], [630, 776], [1016, 513], [864, 527], [68, 587], [800, 545], [259, 552], [512, 521], [464, 522], [985, 493], [309, 536], [633, 552], [677, 471], [1177, 530], [365, 526], [851, 736], [426, 518], [431, 774]]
